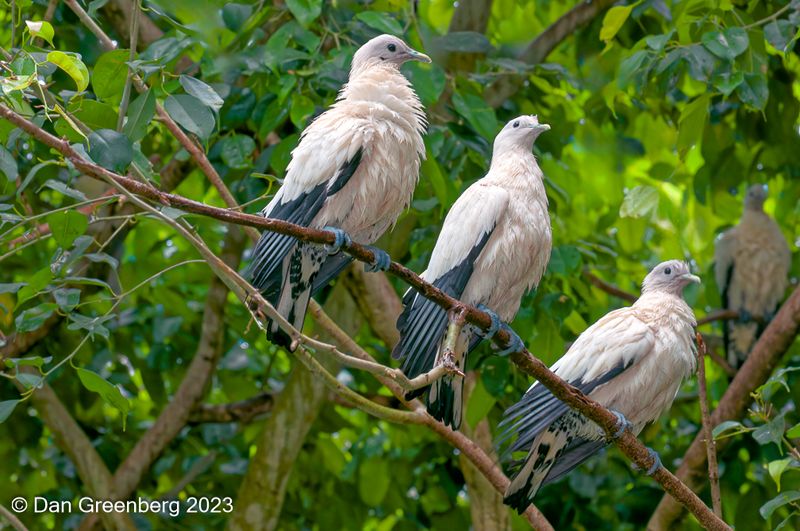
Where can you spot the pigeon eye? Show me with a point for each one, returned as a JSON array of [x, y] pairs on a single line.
[[516, 124], [668, 271], [392, 47]]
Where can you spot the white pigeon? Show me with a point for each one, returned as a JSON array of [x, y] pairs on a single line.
[[353, 172], [752, 262], [631, 361], [494, 246]]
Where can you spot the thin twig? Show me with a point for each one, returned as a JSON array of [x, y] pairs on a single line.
[[12, 519], [609, 288], [628, 443], [126, 91], [770, 18], [711, 445]]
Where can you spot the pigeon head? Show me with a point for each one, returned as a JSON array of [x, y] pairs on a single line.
[[670, 277], [520, 132], [755, 197], [385, 49]]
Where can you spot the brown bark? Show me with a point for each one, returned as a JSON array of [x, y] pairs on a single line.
[[469, 15], [90, 466], [485, 502], [763, 359], [243, 411], [628, 443]]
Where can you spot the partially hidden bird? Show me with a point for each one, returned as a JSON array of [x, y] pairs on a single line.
[[353, 172], [493, 247], [632, 361], [752, 263]]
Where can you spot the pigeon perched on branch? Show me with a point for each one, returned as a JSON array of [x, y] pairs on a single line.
[[353, 172], [752, 262], [631, 361], [494, 246]]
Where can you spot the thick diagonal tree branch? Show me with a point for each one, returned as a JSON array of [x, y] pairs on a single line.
[[628, 443], [762, 360], [536, 52]]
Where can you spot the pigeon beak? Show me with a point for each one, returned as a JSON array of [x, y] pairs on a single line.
[[690, 278], [418, 56], [540, 127]]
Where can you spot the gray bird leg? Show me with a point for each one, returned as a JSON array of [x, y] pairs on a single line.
[[656, 462], [622, 424], [515, 344], [744, 316], [382, 260], [342, 239]]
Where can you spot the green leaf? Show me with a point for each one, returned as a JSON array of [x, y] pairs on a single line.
[[110, 149], [235, 15], [373, 480], [94, 114], [192, 114], [94, 5], [66, 226], [726, 44], [428, 81], [771, 432], [302, 109], [630, 67], [777, 468], [778, 501], [202, 92], [237, 151], [478, 113], [658, 42], [380, 21], [726, 82], [779, 33], [6, 408], [67, 298], [754, 91], [8, 165], [305, 11], [12, 287], [72, 66], [140, 115], [109, 393], [564, 259], [31, 361], [614, 20], [41, 29], [58, 186], [32, 319], [726, 426], [692, 123], [641, 201], [794, 432], [465, 42], [29, 380], [109, 75], [36, 283], [479, 404]]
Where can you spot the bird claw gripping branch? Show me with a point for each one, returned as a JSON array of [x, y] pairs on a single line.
[[515, 344], [622, 424], [656, 462], [382, 260], [342, 240]]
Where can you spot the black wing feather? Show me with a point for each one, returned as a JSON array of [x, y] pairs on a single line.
[[539, 408], [264, 271], [423, 322]]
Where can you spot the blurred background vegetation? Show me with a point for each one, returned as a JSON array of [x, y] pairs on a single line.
[[662, 112]]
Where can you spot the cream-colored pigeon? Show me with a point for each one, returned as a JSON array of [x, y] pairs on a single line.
[[494, 246], [631, 361], [353, 172], [752, 262]]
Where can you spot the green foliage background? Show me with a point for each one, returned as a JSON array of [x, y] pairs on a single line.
[[657, 128]]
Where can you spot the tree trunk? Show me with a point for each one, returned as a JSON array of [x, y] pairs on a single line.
[[262, 492]]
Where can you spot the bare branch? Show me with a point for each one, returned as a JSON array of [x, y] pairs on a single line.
[[628, 443], [711, 447], [538, 50], [762, 360], [243, 411]]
